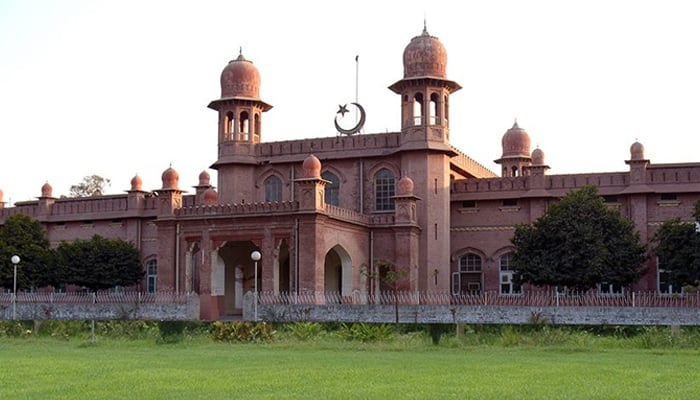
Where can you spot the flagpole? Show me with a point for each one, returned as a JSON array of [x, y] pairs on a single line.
[[357, 83]]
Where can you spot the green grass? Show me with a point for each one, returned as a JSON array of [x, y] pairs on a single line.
[[408, 367]]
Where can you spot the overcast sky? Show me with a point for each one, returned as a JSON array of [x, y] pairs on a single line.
[[116, 88]]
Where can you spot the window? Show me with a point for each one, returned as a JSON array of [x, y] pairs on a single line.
[[273, 189], [506, 275], [152, 276], [669, 197], [332, 189], [510, 203], [469, 204], [665, 286], [384, 186], [610, 288], [467, 280]]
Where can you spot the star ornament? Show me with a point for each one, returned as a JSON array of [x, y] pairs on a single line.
[[342, 109]]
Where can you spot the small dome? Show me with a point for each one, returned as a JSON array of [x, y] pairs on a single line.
[[312, 167], [170, 179], [405, 186], [1, 195], [136, 183], [204, 178], [515, 142], [537, 157], [425, 56], [46, 190], [240, 78], [211, 197], [637, 151]]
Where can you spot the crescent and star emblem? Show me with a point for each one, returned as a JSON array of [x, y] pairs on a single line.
[[342, 110]]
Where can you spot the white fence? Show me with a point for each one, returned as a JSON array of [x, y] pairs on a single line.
[[491, 298]]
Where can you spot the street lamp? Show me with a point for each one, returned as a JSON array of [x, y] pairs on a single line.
[[15, 261], [255, 256]]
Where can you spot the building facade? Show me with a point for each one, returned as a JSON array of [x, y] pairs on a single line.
[[329, 214]]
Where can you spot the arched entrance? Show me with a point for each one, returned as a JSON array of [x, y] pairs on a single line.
[[337, 272], [283, 277], [234, 274]]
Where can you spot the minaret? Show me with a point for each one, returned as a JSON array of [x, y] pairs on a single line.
[[425, 158], [240, 130], [425, 89], [516, 152], [240, 107]]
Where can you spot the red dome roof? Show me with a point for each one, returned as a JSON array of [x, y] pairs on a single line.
[[515, 142], [537, 157], [46, 190], [204, 178], [405, 186], [170, 179], [240, 78], [211, 197], [637, 151], [425, 56], [136, 183], [312, 167]]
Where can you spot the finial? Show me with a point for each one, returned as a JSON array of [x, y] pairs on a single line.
[[240, 51], [515, 123], [425, 26]]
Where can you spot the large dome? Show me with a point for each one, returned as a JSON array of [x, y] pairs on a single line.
[[516, 142], [425, 56], [240, 78]]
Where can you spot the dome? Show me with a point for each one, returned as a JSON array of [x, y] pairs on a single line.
[[537, 157], [204, 178], [211, 197], [516, 142], [405, 186], [312, 167], [170, 179], [46, 190], [637, 151], [136, 183], [1, 195], [424, 56], [240, 78]]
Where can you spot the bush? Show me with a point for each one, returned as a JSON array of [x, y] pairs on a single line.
[[241, 331], [305, 330], [366, 332]]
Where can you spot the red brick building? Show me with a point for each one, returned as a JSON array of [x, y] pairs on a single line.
[[322, 211]]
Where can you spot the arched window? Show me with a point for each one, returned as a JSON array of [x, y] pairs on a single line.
[[152, 276], [434, 118], [273, 189], [256, 126], [384, 190], [244, 127], [332, 189], [506, 275], [418, 109], [467, 279], [228, 126]]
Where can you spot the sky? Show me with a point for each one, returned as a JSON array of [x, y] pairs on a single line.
[[119, 88]]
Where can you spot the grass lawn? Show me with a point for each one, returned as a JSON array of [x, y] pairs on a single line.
[[45, 368]]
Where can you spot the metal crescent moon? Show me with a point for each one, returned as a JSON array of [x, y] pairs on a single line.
[[355, 128]]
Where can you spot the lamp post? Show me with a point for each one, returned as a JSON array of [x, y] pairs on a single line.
[[15, 260], [255, 256]]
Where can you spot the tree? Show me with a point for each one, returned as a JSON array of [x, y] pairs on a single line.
[[677, 245], [25, 237], [99, 263], [579, 243], [92, 185]]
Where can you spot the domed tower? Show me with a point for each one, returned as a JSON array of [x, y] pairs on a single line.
[[425, 89], [240, 107], [516, 152]]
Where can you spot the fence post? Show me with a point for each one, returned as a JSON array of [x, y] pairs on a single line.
[[633, 299]]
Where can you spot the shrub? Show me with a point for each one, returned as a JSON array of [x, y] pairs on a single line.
[[366, 332], [242, 331], [305, 330]]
